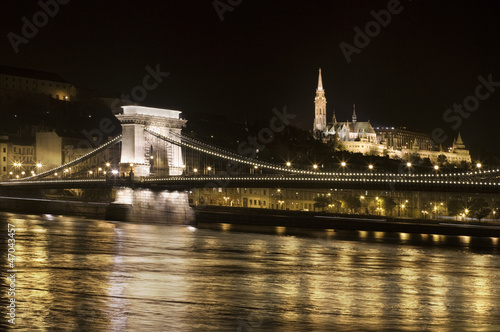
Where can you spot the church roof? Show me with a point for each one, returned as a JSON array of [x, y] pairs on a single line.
[[356, 127]]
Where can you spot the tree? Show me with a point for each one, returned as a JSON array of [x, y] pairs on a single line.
[[479, 208], [455, 207], [388, 204], [321, 202], [352, 203], [442, 160], [496, 210]]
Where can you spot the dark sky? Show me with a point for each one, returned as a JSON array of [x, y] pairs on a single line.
[[266, 54]]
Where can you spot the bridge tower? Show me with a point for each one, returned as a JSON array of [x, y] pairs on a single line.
[[142, 152]]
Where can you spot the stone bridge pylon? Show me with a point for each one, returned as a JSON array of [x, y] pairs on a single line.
[[143, 153]]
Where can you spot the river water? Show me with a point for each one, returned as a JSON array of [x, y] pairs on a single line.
[[75, 274]]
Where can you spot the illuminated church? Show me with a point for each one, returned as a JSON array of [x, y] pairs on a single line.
[[356, 136], [360, 137]]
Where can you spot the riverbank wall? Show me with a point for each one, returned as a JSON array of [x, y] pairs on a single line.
[[311, 220]]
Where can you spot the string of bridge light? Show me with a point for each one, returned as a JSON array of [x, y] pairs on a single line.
[[316, 179], [76, 161], [237, 158]]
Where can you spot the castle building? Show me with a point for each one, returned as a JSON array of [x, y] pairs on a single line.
[[360, 137], [19, 82]]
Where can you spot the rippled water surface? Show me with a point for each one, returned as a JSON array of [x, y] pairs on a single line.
[[92, 275]]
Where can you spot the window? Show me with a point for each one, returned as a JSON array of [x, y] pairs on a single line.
[[4, 159], [4, 150], [4, 169]]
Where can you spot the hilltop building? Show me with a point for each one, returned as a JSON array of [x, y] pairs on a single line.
[[19, 82]]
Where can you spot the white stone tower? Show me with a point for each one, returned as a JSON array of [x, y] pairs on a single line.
[[320, 108], [138, 145]]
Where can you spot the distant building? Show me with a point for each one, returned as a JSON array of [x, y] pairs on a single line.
[[17, 157], [356, 136], [53, 151], [398, 139], [18, 81], [360, 137]]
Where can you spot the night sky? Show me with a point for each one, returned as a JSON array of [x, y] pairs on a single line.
[[266, 54]]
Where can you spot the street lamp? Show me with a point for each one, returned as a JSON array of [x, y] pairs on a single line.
[[370, 166], [315, 166], [288, 164], [478, 165], [343, 164], [436, 167]]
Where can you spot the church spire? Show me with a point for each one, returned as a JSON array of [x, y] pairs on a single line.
[[354, 117], [458, 143], [319, 124], [320, 81], [334, 119]]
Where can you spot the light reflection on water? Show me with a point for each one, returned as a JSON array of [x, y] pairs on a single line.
[[91, 275]]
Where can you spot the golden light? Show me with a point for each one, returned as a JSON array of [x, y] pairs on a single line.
[[90, 172], [315, 166], [99, 169], [209, 168], [436, 167], [343, 164], [131, 165], [370, 166], [38, 165], [288, 163], [108, 164], [195, 170], [408, 164], [478, 165], [256, 167]]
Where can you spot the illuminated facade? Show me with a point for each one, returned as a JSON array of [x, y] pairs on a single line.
[[17, 81], [361, 137], [141, 151], [17, 157]]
